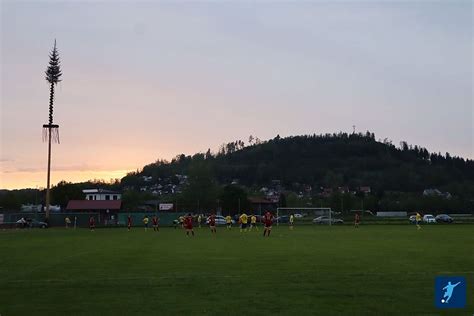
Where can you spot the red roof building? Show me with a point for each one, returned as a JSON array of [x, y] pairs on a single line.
[[259, 205]]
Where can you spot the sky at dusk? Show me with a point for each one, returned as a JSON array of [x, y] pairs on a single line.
[[149, 80]]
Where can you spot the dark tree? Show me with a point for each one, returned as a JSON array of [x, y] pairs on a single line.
[[331, 161], [65, 191], [232, 198], [282, 200]]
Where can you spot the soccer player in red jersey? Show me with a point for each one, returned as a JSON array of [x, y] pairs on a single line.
[[357, 220], [155, 220], [212, 223], [91, 223], [188, 225], [129, 222], [268, 222]]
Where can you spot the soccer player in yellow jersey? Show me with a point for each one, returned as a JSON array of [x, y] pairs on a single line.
[[253, 222], [243, 222], [418, 220], [145, 222], [228, 221], [292, 221]]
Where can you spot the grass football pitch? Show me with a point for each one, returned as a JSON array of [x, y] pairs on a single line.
[[339, 270]]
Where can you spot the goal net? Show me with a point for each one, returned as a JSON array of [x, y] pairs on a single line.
[[305, 215]]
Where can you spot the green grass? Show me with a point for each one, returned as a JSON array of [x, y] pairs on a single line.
[[375, 270]]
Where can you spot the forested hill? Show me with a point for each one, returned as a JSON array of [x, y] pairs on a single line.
[[330, 161]]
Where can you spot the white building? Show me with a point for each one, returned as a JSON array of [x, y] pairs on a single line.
[[101, 195]]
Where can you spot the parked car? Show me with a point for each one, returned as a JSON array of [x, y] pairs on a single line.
[[412, 219], [444, 218], [220, 220], [39, 224], [281, 219], [325, 220], [428, 218], [299, 215]]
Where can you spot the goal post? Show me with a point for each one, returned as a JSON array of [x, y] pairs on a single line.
[[304, 213]]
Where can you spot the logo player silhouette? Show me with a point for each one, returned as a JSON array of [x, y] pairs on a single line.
[[449, 288]]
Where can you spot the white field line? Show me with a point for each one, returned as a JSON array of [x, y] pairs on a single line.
[[118, 279], [181, 277]]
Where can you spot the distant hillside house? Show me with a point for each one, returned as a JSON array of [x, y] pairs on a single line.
[[365, 190], [101, 195], [326, 192], [436, 192], [147, 178], [432, 192], [343, 190]]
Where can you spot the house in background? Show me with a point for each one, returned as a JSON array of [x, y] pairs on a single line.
[[365, 189], [101, 195], [105, 203], [436, 192]]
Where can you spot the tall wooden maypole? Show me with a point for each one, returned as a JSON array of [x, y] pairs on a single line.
[[50, 130]]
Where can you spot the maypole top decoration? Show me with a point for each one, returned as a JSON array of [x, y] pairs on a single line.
[[53, 75]]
